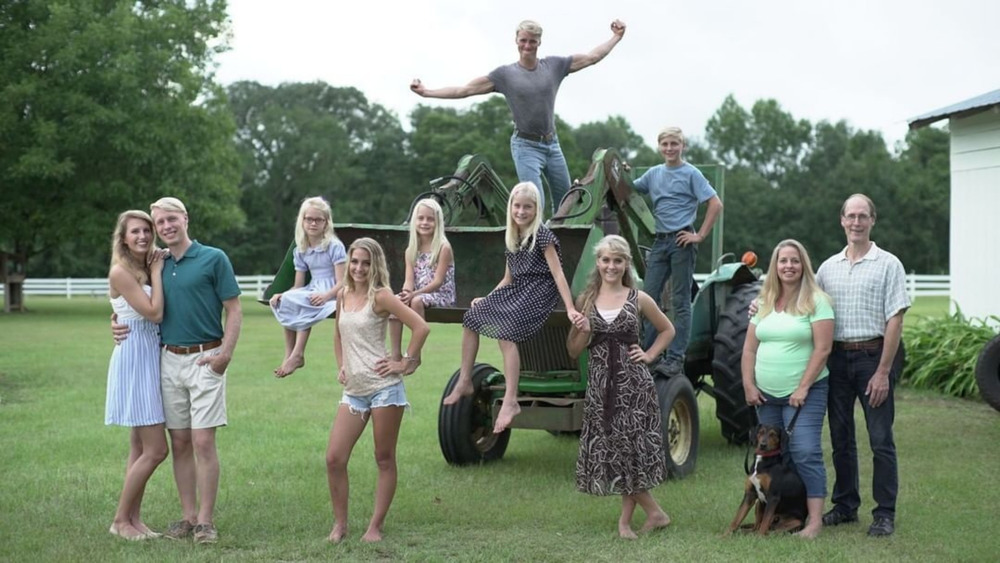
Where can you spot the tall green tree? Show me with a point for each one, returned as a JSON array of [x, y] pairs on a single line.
[[105, 106], [766, 138], [787, 179], [841, 161], [299, 140], [922, 200], [614, 133]]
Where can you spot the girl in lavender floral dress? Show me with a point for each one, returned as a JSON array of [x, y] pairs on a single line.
[[430, 267]]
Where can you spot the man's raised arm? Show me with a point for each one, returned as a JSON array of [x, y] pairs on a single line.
[[594, 56], [476, 87]]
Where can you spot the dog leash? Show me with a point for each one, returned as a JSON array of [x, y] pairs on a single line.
[[751, 446], [795, 417]]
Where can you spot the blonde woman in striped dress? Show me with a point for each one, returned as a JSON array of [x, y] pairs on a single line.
[[134, 399]]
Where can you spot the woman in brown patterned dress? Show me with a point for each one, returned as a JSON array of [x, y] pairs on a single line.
[[621, 445]]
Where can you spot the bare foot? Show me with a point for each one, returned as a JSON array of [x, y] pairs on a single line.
[[625, 532], [337, 534], [372, 535], [507, 413], [463, 388], [809, 532], [289, 366], [142, 527], [654, 522], [127, 532]]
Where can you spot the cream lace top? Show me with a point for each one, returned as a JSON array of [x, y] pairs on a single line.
[[362, 336]]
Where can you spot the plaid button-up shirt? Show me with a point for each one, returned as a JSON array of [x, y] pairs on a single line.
[[865, 294]]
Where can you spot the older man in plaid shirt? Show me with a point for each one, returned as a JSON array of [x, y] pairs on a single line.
[[868, 288]]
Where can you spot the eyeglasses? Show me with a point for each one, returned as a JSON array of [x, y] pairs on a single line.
[[858, 217], [314, 220]]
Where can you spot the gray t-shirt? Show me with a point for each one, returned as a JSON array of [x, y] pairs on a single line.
[[531, 94]]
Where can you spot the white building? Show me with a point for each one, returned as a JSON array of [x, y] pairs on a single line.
[[974, 261]]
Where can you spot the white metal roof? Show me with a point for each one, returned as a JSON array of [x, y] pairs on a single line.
[[968, 107]]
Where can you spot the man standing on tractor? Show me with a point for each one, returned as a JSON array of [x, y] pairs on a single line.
[[677, 189], [867, 285], [529, 86]]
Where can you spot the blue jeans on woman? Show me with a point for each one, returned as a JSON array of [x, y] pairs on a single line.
[[532, 157], [805, 441]]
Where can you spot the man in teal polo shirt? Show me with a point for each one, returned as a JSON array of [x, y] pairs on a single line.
[[198, 284]]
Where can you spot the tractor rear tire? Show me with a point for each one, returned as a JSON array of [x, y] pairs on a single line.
[[735, 416], [988, 373], [679, 424], [465, 429]]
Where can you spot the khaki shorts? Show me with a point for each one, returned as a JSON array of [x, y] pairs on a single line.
[[193, 396]]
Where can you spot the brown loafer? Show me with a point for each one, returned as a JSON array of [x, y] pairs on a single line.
[[205, 533], [179, 530]]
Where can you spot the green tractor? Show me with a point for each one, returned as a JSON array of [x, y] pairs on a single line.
[[553, 385]]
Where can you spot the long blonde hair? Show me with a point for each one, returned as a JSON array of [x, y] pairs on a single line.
[[301, 238], [802, 300], [120, 253], [437, 239], [513, 239], [378, 273], [613, 245]]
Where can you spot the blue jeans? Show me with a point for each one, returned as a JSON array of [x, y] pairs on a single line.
[[668, 260], [807, 434], [850, 371], [531, 157]]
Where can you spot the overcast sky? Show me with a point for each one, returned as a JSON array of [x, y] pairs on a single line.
[[874, 63]]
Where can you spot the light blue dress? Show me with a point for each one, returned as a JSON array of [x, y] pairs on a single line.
[[294, 311], [134, 397]]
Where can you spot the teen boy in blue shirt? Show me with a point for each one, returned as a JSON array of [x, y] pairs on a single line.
[[676, 189]]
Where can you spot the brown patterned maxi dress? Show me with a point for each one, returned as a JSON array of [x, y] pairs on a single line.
[[621, 445]]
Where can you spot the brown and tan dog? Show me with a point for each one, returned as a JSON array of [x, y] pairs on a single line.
[[774, 486]]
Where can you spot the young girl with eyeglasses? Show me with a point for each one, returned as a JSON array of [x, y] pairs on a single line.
[[320, 253]]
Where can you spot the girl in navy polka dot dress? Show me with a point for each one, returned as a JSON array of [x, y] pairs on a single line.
[[532, 285]]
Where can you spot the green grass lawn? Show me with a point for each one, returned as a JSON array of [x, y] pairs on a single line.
[[928, 307], [62, 469]]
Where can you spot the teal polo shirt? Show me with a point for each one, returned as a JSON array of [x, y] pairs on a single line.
[[194, 288]]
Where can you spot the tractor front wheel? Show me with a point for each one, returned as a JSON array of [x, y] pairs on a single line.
[[679, 423], [465, 429]]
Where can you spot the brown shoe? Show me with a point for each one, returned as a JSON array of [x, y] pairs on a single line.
[[205, 533], [179, 530]]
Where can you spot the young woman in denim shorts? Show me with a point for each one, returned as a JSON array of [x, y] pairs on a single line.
[[373, 382]]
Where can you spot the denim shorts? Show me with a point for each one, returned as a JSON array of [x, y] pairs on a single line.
[[391, 396]]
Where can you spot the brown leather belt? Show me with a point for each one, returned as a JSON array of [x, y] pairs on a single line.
[[534, 137], [873, 344], [672, 234], [193, 349]]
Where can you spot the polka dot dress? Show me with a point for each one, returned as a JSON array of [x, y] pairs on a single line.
[[517, 311]]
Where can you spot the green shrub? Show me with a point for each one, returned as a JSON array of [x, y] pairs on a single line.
[[941, 353]]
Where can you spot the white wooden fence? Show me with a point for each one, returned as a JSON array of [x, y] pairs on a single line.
[[98, 287], [917, 285]]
